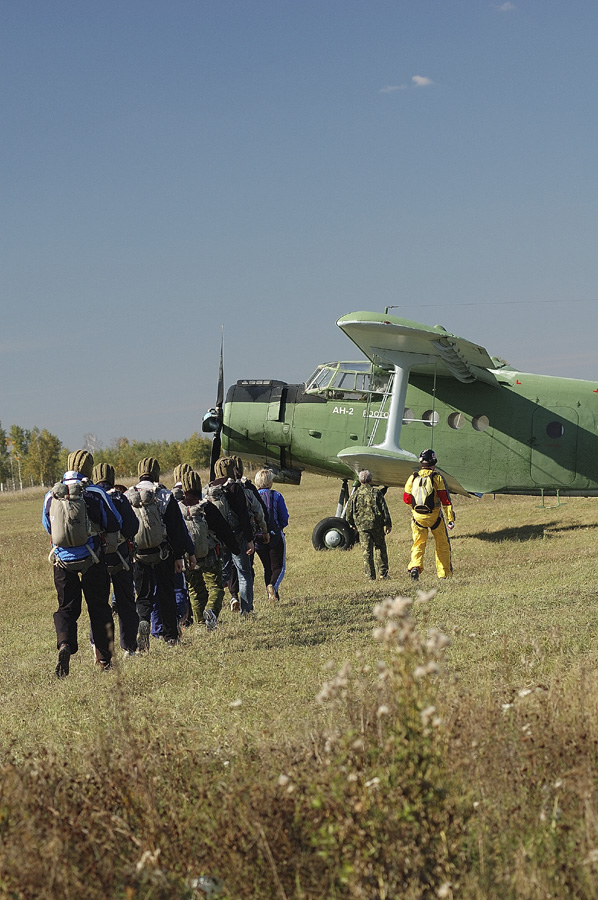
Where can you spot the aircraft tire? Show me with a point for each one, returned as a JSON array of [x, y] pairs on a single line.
[[333, 534]]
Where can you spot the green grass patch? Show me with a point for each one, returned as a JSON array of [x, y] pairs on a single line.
[[217, 758]]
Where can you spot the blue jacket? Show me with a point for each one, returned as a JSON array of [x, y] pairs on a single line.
[[278, 515], [100, 510]]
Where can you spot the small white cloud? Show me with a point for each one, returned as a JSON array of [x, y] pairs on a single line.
[[391, 88], [506, 7], [421, 81]]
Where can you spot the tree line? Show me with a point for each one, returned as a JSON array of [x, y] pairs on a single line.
[[30, 457]]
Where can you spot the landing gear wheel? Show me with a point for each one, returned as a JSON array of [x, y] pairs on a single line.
[[333, 534]]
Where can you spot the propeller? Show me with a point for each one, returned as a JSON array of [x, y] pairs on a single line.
[[212, 421]]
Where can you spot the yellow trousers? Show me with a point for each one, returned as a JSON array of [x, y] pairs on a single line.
[[420, 525]]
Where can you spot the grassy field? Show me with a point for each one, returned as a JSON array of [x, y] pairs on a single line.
[[216, 758]]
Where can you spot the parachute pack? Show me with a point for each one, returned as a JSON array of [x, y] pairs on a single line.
[[70, 525], [218, 494], [422, 493], [151, 533], [255, 509], [197, 526]]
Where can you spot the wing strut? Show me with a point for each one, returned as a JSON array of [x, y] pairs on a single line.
[[402, 363]]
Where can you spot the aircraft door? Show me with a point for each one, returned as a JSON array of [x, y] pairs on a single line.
[[554, 445], [277, 432]]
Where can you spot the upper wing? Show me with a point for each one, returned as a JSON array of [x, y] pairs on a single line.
[[382, 337]]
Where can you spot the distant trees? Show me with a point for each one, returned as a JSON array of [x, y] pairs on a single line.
[[42, 464], [4, 455], [124, 454], [37, 457]]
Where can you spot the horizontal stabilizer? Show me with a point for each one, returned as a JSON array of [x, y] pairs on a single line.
[[390, 467]]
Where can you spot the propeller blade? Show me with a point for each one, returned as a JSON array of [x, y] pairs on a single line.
[[217, 440], [220, 392]]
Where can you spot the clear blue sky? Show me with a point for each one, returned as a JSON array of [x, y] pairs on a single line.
[[270, 165]]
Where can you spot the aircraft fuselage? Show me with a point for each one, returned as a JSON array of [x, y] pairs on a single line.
[[532, 434]]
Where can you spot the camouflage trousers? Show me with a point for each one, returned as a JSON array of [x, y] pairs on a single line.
[[375, 554], [205, 587]]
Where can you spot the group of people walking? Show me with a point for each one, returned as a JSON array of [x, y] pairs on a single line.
[[167, 555], [146, 542]]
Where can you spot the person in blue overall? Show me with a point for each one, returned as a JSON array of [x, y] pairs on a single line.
[[80, 570], [273, 553]]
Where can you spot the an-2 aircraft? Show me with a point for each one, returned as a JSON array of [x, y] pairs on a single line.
[[494, 428]]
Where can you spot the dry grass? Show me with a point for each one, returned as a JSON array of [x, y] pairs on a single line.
[[132, 783]]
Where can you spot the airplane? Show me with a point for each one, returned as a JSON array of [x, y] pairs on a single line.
[[494, 428]]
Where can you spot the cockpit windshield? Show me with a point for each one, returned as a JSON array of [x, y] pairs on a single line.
[[348, 380]]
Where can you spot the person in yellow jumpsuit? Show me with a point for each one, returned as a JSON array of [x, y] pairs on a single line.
[[427, 494]]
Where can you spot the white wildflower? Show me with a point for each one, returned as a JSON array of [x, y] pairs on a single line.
[[235, 704], [437, 641], [524, 692], [283, 780], [506, 706], [372, 783], [427, 713], [383, 711], [444, 891], [352, 777], [390, 630], [400, 607], [380, 611], [325, 693], [148, 858]]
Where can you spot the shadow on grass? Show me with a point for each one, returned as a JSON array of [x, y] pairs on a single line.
[[527, 532]]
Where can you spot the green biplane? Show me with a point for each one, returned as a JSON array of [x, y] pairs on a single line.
[[495, 429]]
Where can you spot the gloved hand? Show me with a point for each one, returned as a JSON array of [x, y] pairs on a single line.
[[450, 525]]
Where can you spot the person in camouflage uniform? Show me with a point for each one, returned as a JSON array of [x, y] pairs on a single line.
[[206, 590], [368, 513]]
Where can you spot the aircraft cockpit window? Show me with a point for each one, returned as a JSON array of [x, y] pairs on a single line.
[[320, 379], [430, 418], [480, 423], [348, 380], [378, 385], [555, 429], [456, 420], [344, 381]]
